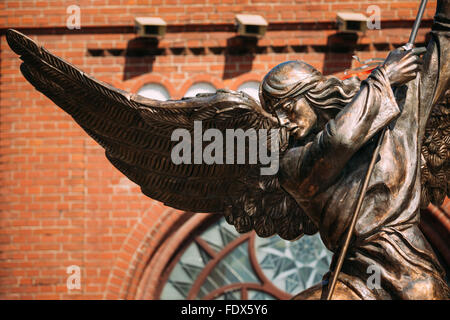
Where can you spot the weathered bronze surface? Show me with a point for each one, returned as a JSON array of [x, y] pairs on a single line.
[[327, 131]]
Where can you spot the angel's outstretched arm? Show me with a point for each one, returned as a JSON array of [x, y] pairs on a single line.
[[313, 167]]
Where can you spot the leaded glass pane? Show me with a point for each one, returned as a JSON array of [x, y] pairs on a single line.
[[233, 268], [219, 235], [185, 273], [230, 295], [293, 266], [171, 293], [259, 295]]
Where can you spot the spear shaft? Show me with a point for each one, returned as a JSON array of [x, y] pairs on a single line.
[[376, 152]]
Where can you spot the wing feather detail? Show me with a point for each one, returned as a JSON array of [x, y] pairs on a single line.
[[435, 167], [136, 134]]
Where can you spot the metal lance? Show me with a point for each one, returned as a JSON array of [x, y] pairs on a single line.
[[365, 184]]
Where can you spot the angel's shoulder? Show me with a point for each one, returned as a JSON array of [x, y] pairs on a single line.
[[290, 162]]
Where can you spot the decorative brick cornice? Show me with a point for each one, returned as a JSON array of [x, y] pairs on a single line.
[[205, 27]]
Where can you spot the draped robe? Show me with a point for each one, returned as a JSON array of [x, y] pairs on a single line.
[[325, 176]]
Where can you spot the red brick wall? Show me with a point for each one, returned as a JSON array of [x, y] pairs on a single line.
[[111, 12], [61, 202]]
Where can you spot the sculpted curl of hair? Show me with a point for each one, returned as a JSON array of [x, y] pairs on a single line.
[[293, 79]]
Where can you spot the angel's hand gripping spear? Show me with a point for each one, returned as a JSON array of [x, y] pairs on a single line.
[[405, 53]]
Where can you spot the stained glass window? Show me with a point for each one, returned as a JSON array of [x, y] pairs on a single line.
[[200, 87], [220, 263], [154, 91], [251, 88]]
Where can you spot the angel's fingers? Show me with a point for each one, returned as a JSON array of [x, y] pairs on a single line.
[[412, 69], [408, 58], [412, 60], [418, 51], [411, 75], [414, 53], [406, 47], [415, 61], [404, 65]]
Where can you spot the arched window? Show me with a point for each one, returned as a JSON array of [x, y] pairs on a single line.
[[251, 88], [154, 91], [200, 87], [220, 263]]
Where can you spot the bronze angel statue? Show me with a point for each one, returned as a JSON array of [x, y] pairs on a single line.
[[326, 132]]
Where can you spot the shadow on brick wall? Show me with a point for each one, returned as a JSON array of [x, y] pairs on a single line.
[[140, 56], [239, 55], [339, 51]]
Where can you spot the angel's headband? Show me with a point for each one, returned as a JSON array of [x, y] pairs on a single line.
[[273, 96]]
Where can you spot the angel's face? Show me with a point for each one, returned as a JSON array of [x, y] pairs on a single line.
[[298, 116]]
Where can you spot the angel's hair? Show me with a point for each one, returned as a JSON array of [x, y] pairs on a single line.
[[294, 79], [332, 93]]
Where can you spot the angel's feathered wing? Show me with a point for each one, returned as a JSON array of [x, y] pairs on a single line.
[[436, 155], [136, 134]]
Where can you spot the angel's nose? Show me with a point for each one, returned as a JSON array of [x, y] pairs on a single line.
[[282, 118]]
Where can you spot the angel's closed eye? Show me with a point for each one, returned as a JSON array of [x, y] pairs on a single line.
[[288, 107]]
